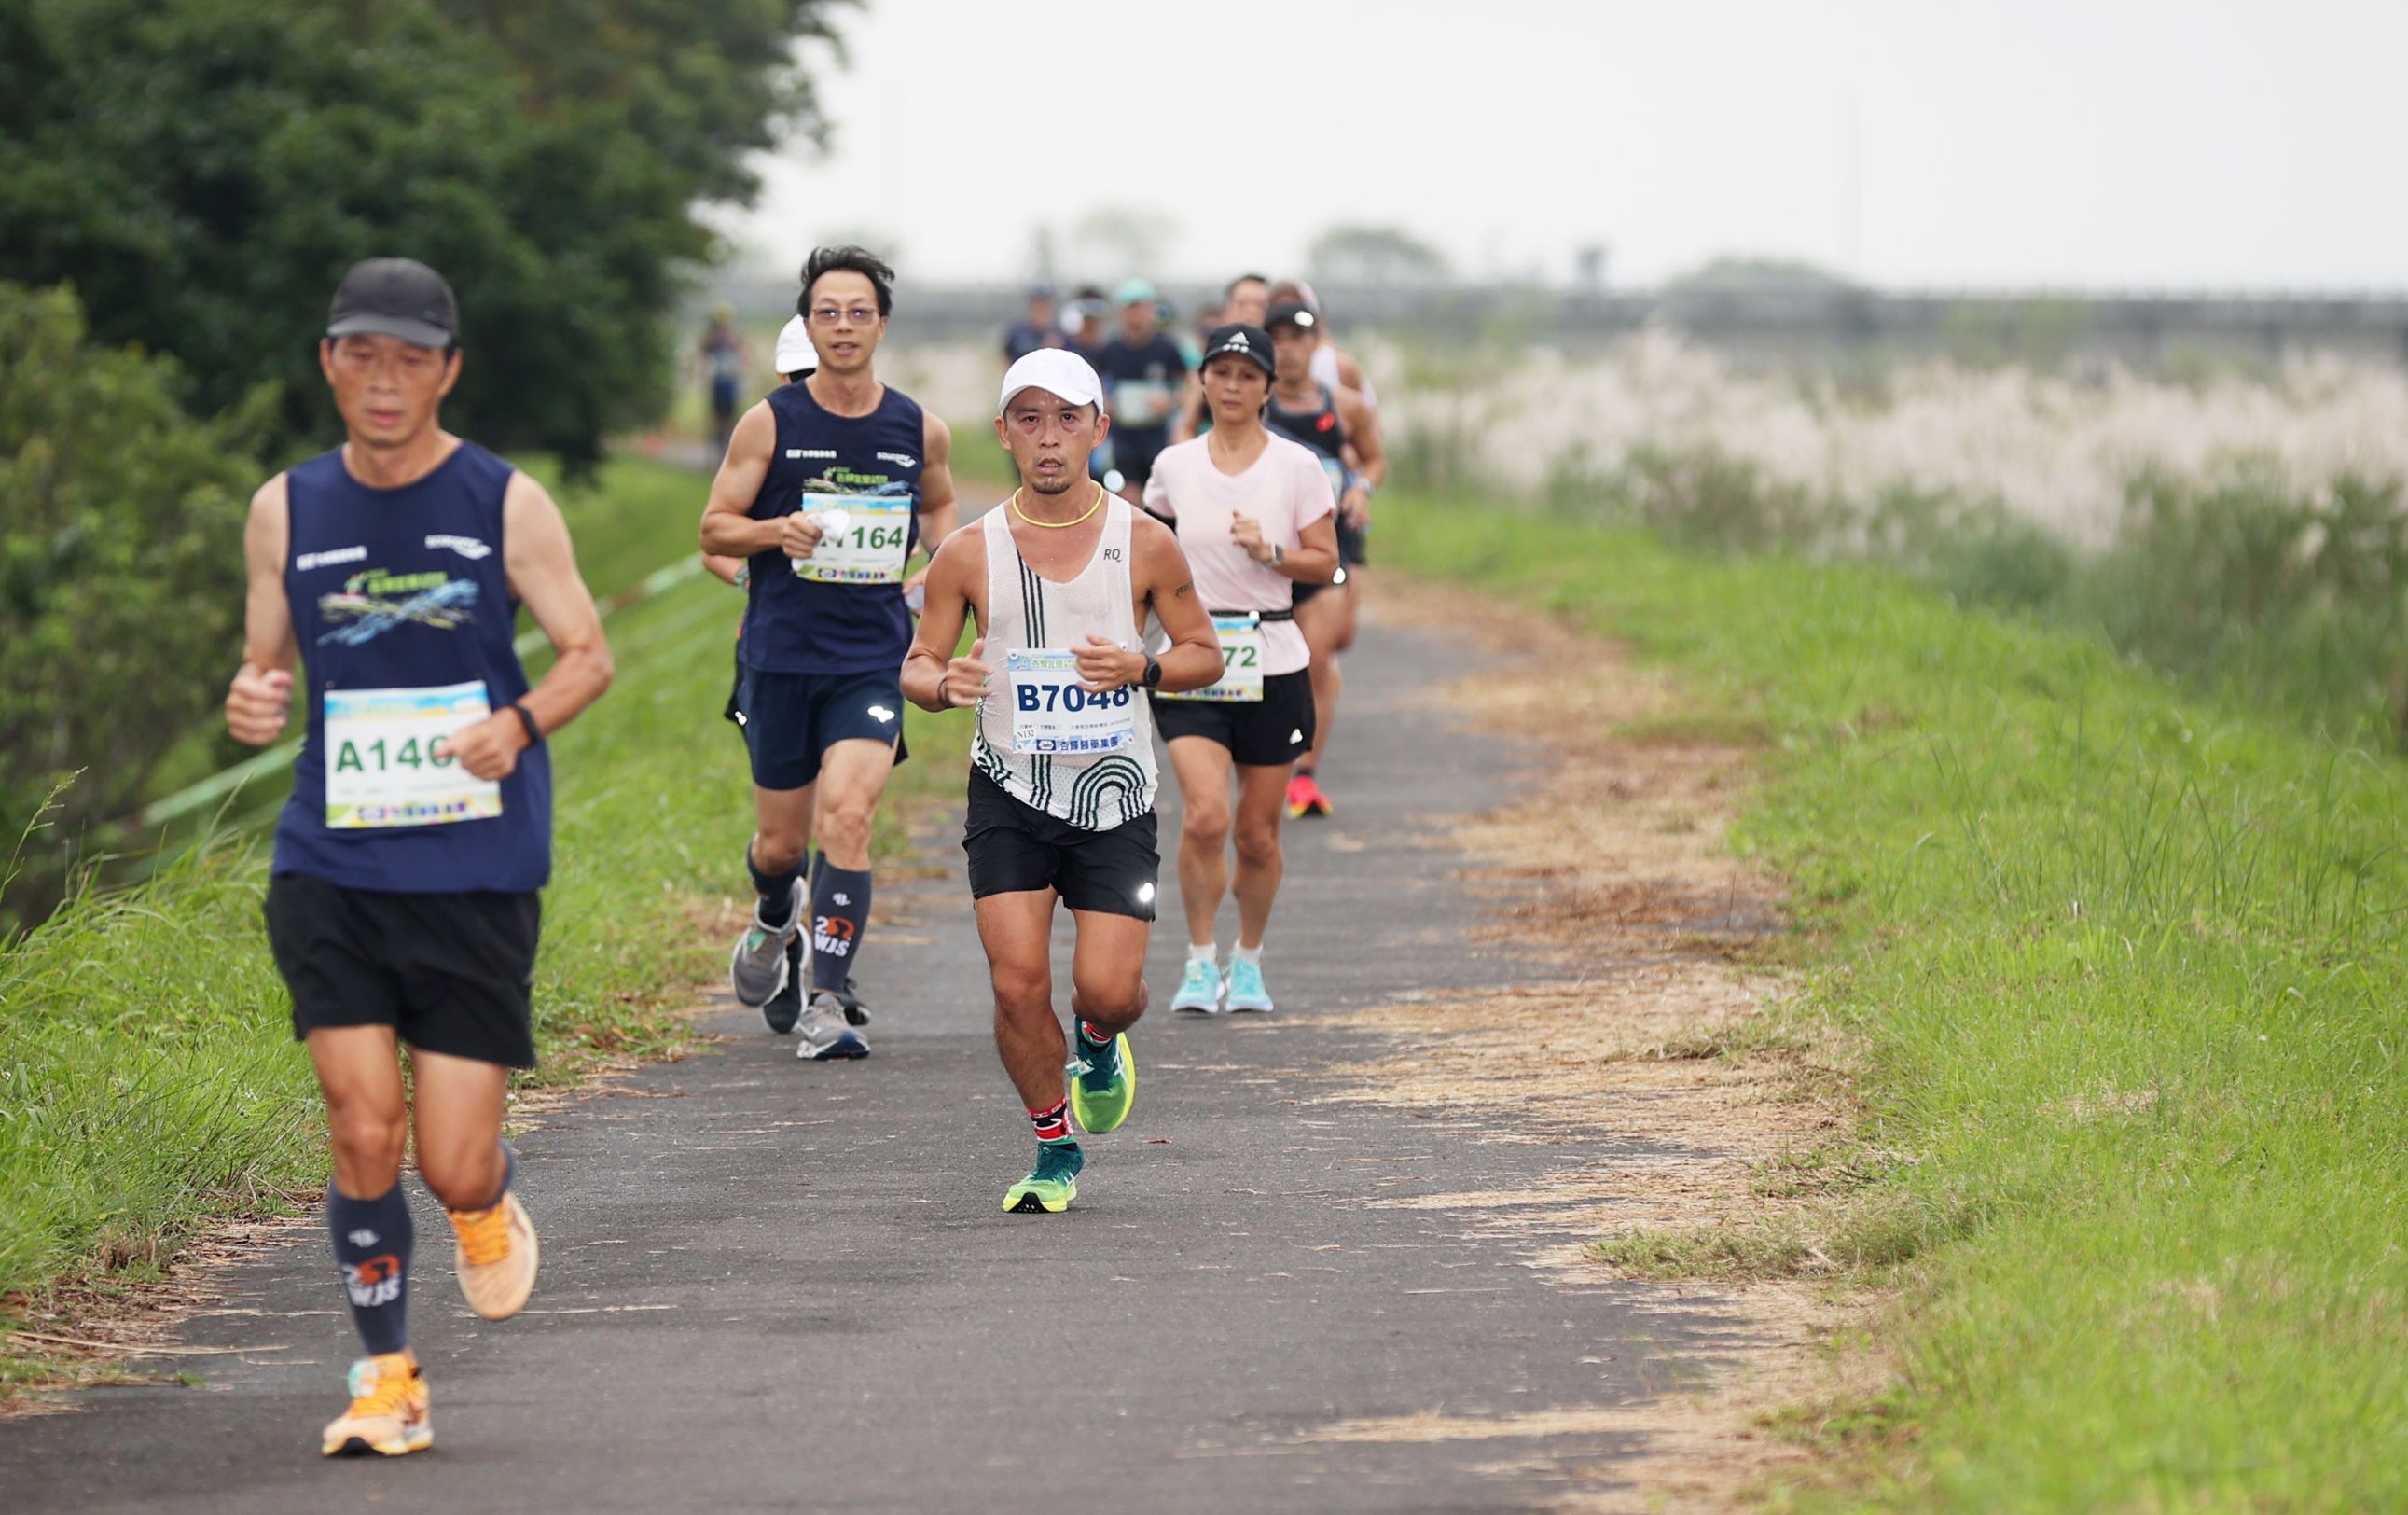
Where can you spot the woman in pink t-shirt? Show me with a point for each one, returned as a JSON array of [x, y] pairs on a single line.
[[1253, 513]]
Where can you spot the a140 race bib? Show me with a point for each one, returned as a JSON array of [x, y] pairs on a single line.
[[1241, 661], [864, 540], [1051, 713], [1141, 402], [381, 764]]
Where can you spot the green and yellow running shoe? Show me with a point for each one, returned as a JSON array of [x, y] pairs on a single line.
[[1052, 1185], [1103, 1083]]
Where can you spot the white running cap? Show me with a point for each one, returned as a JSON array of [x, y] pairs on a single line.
[[1057, 370], [795, 347]]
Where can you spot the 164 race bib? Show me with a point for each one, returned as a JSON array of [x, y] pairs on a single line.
[[1052, 714], [381, 764], [863, 538], [1241, 661]]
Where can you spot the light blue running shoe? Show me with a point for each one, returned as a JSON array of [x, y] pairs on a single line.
[[1245, 986], [1199, 989]]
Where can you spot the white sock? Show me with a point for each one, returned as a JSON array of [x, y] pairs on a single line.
[[1206, 952], [1247, 954]]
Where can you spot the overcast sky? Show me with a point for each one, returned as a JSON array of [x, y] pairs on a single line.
[[1926, 143]]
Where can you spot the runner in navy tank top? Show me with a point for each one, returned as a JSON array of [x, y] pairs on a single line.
[[829, 488], [1333, 422], [402, 905]]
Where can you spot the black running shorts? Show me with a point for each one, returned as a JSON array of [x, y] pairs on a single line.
[[451, 973], [1269, 732], [1014, 847]]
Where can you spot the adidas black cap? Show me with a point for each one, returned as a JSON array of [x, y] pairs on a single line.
[[1238, 337]]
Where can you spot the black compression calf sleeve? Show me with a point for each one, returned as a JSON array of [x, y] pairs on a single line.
[[840, 916]]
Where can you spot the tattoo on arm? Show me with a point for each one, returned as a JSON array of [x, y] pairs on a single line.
[[1184, 590]]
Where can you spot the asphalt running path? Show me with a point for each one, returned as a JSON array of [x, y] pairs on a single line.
[[773, 1285]]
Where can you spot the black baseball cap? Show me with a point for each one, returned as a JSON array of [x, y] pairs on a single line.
[[395, 297], [1240, 336], [1292, 313]]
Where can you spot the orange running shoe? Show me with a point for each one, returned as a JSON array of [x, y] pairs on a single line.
[[388, 1410], [496, 1257], [1304, 798]]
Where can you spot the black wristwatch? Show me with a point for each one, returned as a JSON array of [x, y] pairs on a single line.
[[1153, 671], [527, 719]]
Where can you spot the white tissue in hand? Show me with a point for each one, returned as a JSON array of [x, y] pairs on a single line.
[[834, 523]]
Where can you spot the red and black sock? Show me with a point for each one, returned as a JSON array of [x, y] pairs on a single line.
[[1053, 1126]]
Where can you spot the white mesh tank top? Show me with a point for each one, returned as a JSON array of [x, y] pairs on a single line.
[[1096, 792]]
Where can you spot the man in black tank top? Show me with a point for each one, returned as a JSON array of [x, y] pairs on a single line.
[[402, 906], [1334, 424], [827, 623]]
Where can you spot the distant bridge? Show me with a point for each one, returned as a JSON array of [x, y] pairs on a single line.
[[2151, 330]]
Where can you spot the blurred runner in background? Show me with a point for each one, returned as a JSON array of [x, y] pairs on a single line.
[[723, 353], [1040, 325], [1147, 384], [1337, 424]]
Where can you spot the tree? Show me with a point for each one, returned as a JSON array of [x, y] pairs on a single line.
[[1373, 256], [121, 581], [204, 170]]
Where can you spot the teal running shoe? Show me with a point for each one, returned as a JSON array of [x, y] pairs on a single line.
[[1245, 988], [1052, 1185], [1103, 1083], [1199, 990]]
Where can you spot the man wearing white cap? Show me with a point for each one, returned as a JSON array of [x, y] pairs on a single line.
[[828, 487], [1061, 578]]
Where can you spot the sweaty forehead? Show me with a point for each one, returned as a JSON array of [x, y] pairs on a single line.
[[843, 286]]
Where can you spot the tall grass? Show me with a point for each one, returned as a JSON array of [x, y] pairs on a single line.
[[2127, 964], [2232, 579]]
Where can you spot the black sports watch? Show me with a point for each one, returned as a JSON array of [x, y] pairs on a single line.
[[1152, 678]]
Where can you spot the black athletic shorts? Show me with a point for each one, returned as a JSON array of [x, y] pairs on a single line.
[[1269, 732], [791, 719], [1014, 847], [452, 972], [1353, 551]]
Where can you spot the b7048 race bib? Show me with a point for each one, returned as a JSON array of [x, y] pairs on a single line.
[[381, 764], [1052, 714], [863, 538]]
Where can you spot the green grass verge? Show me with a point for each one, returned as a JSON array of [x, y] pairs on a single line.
[[148, 1078], [2126, 972]]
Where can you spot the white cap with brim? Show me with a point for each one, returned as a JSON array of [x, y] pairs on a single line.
[[795, 347], [1056, 371]]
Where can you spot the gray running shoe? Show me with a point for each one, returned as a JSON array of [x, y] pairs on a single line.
[[822, 1032], [757, 969]]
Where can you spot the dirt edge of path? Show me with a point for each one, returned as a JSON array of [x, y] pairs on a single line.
[[1648, 1022]]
